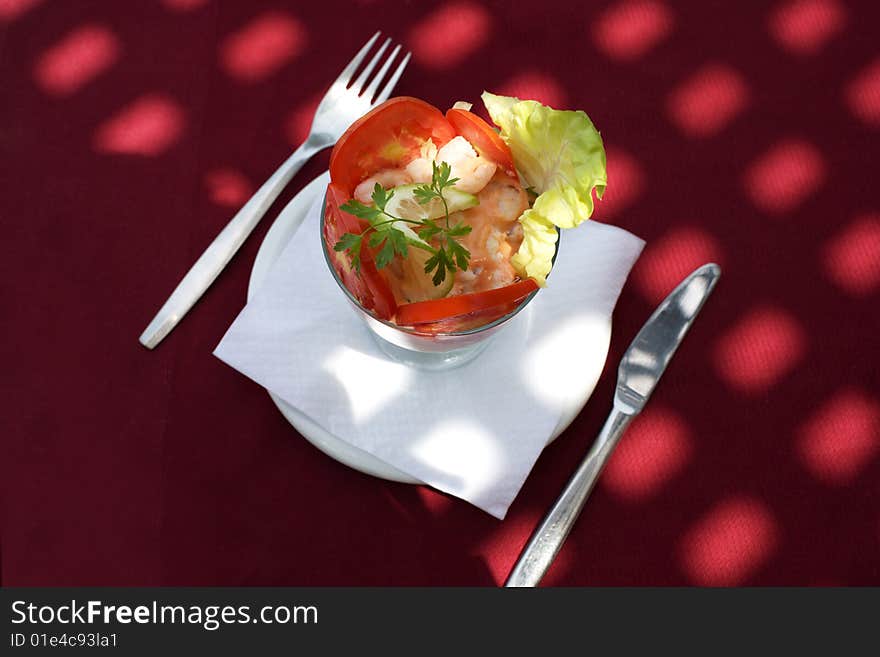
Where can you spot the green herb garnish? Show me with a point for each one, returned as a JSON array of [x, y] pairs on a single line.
[[438, 237]]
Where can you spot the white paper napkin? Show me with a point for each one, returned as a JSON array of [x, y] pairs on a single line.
[[474, 431]]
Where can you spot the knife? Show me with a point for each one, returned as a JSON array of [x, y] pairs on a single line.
[[638, 374]]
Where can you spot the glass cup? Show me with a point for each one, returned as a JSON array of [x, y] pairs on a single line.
[[428, 351]]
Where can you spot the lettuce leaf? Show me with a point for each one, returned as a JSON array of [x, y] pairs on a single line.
[[560, 154]]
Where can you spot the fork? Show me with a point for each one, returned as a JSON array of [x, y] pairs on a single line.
[[343, 103]]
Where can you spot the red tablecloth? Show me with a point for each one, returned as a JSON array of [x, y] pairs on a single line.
[[745, 133]]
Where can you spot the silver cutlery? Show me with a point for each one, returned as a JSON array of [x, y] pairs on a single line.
[[344, 102], [638, 374]]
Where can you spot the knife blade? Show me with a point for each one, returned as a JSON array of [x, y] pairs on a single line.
[[637, 376]]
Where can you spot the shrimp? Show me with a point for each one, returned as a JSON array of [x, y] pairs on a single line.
[[495, 236], [386, 177], [421, 169], [473, 172]]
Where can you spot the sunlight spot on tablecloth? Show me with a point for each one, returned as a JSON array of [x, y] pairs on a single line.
[[656, 448], [760, 349], [841, 438], [228, 187], [299, 121], [862, 94], [263, 46], [535, 85], [730, 543], [784, 176], [629, 29], [852, 258], [147, 126], [12, 9], [76, 59], [626, 181], [434, 501], [499, 549], [184, 5], [803, 27], [357, 373], [667, 260], [447, 36], [707, 101]]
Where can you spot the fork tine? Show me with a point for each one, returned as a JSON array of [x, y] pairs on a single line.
[[362, 78], [371, 90], [383, 95], [349, 70]]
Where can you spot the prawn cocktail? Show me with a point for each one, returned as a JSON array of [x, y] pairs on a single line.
[[441, 223]]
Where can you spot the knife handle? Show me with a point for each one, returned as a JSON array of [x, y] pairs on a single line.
[[553, 530]]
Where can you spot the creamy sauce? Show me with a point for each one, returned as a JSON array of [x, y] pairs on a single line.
[[495, 236]]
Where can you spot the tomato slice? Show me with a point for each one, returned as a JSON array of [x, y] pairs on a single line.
[[486, 141], [369, 286], [496, 302], [466, 322], [385, 138]]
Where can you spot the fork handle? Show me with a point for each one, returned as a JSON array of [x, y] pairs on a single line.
[[220, 252], [554, 529]]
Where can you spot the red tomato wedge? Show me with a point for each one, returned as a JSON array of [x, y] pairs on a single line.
[[385, 138], [466, 322], [486, 141], [491, 302], [369, 286]]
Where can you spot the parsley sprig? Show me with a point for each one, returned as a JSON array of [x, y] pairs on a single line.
[[440, 239]]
